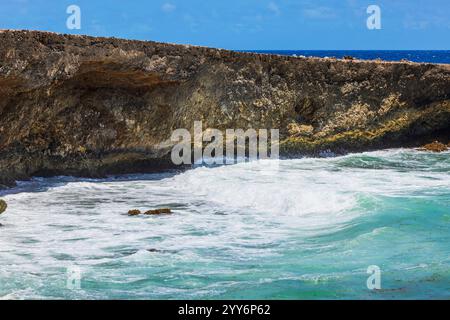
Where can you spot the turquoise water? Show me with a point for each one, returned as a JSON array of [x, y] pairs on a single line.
[[305, 229]]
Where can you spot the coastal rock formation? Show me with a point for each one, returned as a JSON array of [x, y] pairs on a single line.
[[85, 106]]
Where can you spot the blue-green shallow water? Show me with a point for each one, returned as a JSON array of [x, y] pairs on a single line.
[[307, 229]]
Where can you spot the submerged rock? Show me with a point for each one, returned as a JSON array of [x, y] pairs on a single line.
[[134, 212], [153, 250], [3, 206], [158, 211], [435, 146], [150, 212]]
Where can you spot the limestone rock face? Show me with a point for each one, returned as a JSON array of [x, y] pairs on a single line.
[[86, 106]]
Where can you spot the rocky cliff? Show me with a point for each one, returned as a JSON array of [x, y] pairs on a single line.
[[89, 106]]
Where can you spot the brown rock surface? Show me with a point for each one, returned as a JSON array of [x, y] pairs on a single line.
[[435, 146], [134, 212], [3, 206], [158, 211], [86, 106]]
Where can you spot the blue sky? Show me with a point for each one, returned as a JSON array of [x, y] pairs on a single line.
[[245, 24]]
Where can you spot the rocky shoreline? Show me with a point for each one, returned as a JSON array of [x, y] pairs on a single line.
[[86, 106]]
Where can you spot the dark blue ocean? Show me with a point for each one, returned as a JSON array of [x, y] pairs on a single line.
[[429, 56]]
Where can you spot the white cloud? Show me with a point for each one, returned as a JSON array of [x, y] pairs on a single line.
[[414, 24], [274, 8], [191, 22], [168, 7], [426, 20], [319, 13]]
